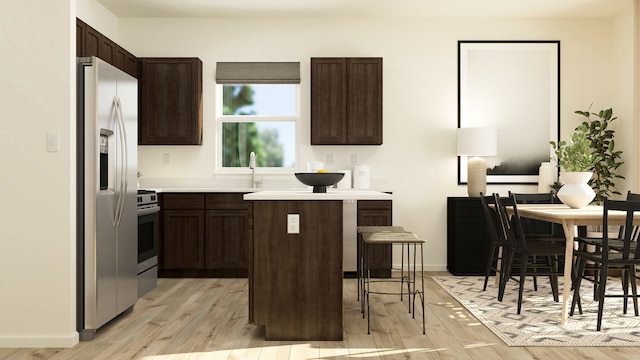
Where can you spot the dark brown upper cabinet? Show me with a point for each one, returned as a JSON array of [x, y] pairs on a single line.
[[126, 61], [90, 42], [80, 35], [92, 38], [170, 101], [107, 50], [346, 101]]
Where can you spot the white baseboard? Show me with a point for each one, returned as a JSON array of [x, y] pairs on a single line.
[[39, 340]]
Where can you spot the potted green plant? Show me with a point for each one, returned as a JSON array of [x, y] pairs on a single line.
[[600, 136], [576, 160], [575, 155]]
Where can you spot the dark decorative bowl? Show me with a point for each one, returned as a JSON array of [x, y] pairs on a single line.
[[319, 181]]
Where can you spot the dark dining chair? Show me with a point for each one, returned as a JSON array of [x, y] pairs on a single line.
[[497, 241], [624, 258], [523, 253], [540, 229], [615, 243]]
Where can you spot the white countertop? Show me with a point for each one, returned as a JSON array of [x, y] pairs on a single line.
[[237, 184], [207, 189], [308, 194]]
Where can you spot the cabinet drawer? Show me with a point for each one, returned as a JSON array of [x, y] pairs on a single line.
[[226, 201], [374, 205], [182, 201]]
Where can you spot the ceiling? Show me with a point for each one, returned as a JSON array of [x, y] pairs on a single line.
[[368, 8]]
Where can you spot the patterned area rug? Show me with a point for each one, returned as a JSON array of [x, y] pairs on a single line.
[[539, 323]]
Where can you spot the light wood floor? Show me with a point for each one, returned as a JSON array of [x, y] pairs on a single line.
[[207, 319]]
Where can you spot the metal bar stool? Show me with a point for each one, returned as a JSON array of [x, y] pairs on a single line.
[[360, 253], [391, 238]]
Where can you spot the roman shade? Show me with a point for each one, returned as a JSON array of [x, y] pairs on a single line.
[[258, 72]]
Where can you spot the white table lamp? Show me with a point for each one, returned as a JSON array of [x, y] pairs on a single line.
[[475, 142]]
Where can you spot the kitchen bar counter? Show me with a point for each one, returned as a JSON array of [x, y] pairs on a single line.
[[296, 278], [307, 194]]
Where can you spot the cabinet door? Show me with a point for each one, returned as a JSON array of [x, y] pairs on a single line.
[[170, 101], [80, 30], [125, 61], [182, 241], [377, 213], [107, 50], [91, 41], [364, 102], [226, 239], [328, 101]]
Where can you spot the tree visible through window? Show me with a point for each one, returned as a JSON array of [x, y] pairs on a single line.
[[259, 118]]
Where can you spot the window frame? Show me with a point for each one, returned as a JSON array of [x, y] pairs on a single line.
[[220, 119]]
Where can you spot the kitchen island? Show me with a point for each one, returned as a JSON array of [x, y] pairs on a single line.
[[296, 279]]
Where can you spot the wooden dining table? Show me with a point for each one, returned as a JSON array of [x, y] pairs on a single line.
[[569, 219]]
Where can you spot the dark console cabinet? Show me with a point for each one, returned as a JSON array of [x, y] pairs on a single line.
[[467, 236]]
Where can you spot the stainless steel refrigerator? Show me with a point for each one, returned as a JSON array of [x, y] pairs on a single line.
[[107, 134]]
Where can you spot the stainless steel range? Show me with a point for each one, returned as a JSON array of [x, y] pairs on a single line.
[[148, 210]]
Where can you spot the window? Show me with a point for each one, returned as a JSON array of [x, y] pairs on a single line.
[[253, 116]]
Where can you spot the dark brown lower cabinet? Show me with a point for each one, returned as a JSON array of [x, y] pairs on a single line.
[[182, 240], [377, 213], [230, 225], [296, 282], [204, 235]]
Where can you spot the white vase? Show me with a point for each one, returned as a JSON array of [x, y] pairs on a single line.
[[575, 192]]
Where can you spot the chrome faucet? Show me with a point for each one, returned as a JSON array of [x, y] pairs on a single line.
[[252, 166]]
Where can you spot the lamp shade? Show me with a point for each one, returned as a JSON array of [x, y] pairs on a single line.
[[477, 141]]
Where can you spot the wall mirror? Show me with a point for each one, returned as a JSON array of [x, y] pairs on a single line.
[[514, 87]]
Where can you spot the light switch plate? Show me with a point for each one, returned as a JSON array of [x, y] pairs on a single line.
[[53, 142]]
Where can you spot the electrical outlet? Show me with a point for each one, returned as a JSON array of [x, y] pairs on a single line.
[[293, 223], [329, 159], [354, 159]]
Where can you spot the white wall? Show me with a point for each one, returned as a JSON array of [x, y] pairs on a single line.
[[622, 95], [99, 18], [417, 159], [37, 221]]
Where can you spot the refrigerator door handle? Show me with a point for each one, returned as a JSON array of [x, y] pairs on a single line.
[[118, 185], [122, 136]]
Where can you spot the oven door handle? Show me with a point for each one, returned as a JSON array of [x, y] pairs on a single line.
[[147, 211]]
